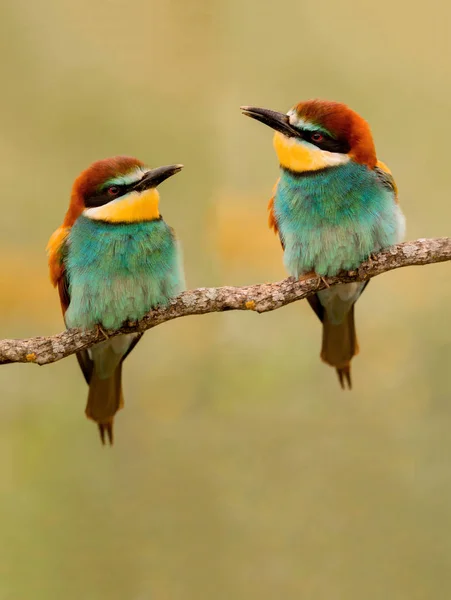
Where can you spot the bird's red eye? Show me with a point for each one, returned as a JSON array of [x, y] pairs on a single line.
[[113, 190], [317, 137]]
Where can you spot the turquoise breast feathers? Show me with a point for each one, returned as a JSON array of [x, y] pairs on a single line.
[[333, 219], [118, 272]]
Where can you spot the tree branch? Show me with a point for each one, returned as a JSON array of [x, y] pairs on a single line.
[[259, 298]]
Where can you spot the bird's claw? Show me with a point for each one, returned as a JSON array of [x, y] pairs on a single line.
[[372, 258], [305, 276], [100, 330]]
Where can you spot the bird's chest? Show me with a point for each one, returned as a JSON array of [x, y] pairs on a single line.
[[117, 272], [329, 222]]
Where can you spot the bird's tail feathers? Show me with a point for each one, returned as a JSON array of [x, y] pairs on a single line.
[[104, 400], [339, 346]]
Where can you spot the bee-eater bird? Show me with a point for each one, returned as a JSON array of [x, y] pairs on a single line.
[[113, 259], [334, 206]]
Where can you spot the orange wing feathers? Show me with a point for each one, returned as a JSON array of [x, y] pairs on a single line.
[[272, 221], [383, 167], [55, 248]]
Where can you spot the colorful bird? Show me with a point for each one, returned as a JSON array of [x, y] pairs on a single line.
[[113, 259], [334, 206]]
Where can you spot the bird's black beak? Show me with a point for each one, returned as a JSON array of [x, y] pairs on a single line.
[[156, 176], [275, 120]]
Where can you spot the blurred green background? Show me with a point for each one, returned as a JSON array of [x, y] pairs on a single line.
[[240, 468]]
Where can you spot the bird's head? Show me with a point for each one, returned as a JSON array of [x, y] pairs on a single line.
[[118, 190], [318, 134]]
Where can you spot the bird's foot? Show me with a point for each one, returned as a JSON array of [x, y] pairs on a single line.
[[313, 275], [100, 330], [372, 258], [309, 275]]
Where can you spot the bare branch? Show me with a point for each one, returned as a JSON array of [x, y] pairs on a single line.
[[259, 298]]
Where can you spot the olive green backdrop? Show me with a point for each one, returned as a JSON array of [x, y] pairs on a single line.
[[241, 470]]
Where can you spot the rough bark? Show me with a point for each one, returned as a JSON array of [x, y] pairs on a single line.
[[258, 298]]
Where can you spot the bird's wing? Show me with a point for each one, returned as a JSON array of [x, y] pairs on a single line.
[[57, 250], [272, 219], [386, 178], [133, 343]]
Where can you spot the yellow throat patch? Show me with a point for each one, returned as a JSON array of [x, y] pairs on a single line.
[[132, 207], [298, 157]]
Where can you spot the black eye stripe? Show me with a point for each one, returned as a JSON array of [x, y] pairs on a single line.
[[102, 197], [327, 143]]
